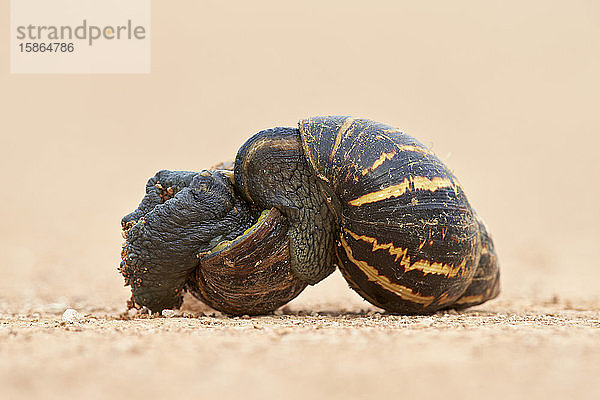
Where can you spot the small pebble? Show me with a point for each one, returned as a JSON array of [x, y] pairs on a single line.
[[168, 313], [144, 310], [71, 316], [132, 312]]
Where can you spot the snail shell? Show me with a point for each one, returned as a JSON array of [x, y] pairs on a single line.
[[251, 274]]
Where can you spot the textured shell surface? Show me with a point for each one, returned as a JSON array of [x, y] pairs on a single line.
[[250, 275], [408, 238]]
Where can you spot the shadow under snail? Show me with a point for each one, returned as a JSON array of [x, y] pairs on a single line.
[[336, 191]]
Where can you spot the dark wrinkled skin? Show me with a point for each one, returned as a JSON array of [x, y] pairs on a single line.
[[167, 231], [278, 175]]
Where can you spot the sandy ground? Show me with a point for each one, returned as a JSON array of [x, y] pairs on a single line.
[[514, 349], [506, 93]]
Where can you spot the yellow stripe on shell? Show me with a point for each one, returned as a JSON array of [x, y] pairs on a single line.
[[338, 138], [445, 299], [304, 133], [226, 243], [416, 149], [426, 267], [470, 299], [410, 183], [373, 275], [404, 147], [382, 158], [433, 184]]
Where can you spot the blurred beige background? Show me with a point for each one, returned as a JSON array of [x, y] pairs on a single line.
[[507, 93]]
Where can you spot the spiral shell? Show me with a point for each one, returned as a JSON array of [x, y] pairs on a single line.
[[409, 240]]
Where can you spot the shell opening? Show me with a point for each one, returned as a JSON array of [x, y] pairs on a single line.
[[227, 244]]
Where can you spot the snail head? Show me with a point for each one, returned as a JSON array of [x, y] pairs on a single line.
[[182, 214]]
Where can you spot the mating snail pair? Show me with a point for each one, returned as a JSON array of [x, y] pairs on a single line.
[[335, 191]]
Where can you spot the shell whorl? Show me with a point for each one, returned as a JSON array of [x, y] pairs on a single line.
[[409, 240]]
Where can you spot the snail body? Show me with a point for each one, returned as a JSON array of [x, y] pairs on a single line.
[[353, 193]]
